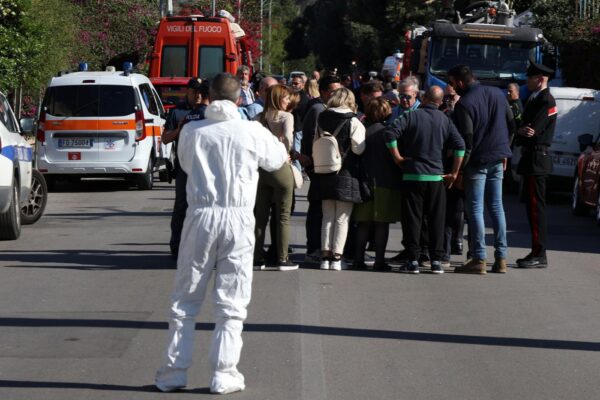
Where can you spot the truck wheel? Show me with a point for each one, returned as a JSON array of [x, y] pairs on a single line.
[[10, 221], [145, 180], [36, 203], [577, 206]]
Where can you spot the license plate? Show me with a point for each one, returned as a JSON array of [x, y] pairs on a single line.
[[75, 142], [564, 160]]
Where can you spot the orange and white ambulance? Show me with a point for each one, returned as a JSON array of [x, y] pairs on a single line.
[[102, 124]]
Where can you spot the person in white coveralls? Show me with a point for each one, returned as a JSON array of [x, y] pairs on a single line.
[[221, 156]]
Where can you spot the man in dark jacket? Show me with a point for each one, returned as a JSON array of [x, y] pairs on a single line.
[[535, 137], [486, 122], [417, 141]]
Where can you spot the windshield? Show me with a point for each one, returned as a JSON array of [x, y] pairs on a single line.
[[492, 60]]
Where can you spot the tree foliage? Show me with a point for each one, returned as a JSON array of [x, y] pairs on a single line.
[[115, 31], [36, 38]]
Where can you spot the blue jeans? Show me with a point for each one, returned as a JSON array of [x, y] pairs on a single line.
[[484, 183], [296, 146]]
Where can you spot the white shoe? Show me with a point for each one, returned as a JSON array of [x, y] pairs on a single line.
[[324, 264], [231, 389], [336, 265]]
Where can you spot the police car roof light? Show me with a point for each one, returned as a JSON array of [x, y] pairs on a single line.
[[127, 67], [83, 66]]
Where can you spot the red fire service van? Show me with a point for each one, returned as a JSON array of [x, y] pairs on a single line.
[[195, 45]]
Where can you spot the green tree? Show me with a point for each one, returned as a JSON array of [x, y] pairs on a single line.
[[36, 40]]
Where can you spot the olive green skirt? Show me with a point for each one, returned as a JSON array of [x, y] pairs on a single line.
[[384, 207]]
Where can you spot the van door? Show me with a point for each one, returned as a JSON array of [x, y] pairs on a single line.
[[161, 121], [116, 123], [152, 120]]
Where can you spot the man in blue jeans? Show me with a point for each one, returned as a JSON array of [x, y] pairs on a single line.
[[486, 122]]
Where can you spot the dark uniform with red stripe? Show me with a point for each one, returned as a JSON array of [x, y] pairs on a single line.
[[534, 167]]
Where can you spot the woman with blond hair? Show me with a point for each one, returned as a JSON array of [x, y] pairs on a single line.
[[276, 189], [338, 191], [312, 88]]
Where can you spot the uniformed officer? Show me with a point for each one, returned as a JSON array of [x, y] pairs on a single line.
[[535, 137], [191, 109]]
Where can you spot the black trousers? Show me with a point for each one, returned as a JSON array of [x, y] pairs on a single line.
[[179, 210], [314, 216], [455, 221], [424, 201], [534, 196]]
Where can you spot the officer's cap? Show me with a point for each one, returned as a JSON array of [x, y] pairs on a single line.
[[195, 83], [536, 69]]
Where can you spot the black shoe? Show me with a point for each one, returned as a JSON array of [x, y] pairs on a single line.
[[259, 265], [399, 258], [286, 266], [457, 248], [524, 259], [533, 262], [382, 267], [359, 266], [436, 267], [410, 267]]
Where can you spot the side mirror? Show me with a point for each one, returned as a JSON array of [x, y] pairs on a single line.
[[585, 140], [27, 125]]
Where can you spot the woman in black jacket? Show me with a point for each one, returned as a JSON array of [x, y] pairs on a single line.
[[339, 190]]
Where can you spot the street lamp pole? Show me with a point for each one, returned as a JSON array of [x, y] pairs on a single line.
[[260, 62], [214, 8]]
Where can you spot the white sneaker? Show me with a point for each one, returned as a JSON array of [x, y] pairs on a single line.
[[336, 265], [324, 264]]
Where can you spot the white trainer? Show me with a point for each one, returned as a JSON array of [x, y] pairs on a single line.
[[324, 264], [336, 265]]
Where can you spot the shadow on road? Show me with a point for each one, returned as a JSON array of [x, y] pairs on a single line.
[[91, 386], [75, 185], [89, 260], [316, 330]]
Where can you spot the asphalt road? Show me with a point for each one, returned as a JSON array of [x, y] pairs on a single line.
[[85, 292]]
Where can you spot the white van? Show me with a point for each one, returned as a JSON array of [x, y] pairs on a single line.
[[103, 124], [15, 172], [392, 65], [578, 113]]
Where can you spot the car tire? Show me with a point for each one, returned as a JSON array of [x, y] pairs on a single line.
[[577, 206], [10, 221], [145, 181], [38, 197]]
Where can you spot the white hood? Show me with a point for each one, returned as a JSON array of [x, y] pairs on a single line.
[[222, 110]]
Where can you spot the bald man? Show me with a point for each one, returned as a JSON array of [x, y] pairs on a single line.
[[416, 142], [254, 109]]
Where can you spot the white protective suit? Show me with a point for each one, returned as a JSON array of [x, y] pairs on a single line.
[[221, 156]]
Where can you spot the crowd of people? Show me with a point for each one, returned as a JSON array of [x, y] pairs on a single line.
[[374, 154], [402, 153]]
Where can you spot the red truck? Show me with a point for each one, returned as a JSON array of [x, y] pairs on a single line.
[[195, 45]]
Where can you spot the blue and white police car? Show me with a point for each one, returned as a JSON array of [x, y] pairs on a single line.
[[15, 172]]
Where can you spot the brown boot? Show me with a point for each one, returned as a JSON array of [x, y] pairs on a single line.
[[473, 266], [499, 266]]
